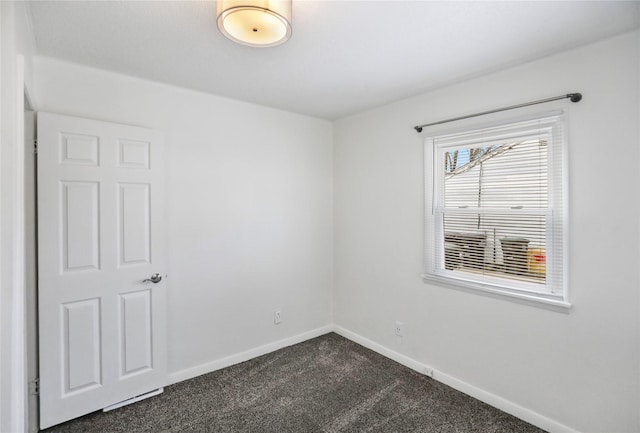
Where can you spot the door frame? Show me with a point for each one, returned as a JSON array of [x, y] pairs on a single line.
[[18, 344], [14, 376]]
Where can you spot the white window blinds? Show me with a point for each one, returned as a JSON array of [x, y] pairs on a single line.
[[495, 208]]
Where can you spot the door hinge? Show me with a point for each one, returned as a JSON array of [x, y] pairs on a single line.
[[35, 146], [34, 387]]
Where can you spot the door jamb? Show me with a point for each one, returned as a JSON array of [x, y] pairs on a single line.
[[31, 266]]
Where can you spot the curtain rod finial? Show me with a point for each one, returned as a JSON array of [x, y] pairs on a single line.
[[418, 128], [575, 97]]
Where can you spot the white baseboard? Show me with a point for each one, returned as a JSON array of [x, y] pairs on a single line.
[[237, 358], [460, 385], [473, 391]]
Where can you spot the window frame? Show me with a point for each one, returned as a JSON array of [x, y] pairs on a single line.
[[556, 214]]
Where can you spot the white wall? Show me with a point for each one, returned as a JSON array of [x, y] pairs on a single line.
[[579, 369], [17, 47], [249, 206]]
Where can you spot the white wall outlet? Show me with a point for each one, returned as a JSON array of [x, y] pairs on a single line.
[[277, 317], [399, 330]]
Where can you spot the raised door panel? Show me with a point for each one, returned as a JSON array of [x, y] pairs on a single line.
[[82, 366], [136, 332], [80, 226], [133, 154], [79, 149]]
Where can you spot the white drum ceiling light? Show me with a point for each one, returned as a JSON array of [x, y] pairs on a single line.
[[257, 23]]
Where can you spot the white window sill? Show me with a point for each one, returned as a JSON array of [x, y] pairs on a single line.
[[542, 300]]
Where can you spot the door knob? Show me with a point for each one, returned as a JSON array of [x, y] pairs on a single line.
[[155, 278]]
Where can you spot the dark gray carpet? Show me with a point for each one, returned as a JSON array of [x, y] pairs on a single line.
[[327, 384]]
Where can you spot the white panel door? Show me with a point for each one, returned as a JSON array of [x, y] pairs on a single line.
[[100, 235]]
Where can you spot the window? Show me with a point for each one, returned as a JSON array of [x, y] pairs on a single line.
[[495, 214]]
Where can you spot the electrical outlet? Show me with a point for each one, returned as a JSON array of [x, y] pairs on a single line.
[[399, 329], [277, 317]]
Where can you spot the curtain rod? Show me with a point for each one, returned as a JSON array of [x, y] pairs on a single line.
[[575, 97]]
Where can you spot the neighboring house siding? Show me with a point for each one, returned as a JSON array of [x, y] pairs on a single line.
[[515, 178]]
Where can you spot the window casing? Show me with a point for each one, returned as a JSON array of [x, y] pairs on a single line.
[[495, 214]]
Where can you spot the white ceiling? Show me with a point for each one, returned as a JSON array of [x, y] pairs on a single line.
[[343, 57]]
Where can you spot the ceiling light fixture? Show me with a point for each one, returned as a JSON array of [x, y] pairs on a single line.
[[257, 23]]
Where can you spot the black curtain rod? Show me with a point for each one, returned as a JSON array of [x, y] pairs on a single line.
[[575, 97]]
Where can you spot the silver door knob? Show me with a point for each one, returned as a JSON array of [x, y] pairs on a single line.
[[155, 278]]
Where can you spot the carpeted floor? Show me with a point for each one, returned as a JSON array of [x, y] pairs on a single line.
[[327, 384]]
